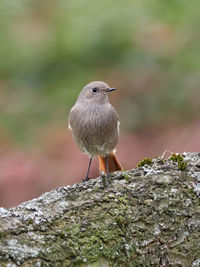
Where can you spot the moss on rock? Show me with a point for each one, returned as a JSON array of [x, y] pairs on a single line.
[[150, 219], [180, 160], [145, 161]]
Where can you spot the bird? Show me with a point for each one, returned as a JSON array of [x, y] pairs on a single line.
[[95, 126]]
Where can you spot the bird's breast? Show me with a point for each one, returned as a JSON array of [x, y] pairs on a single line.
[[94, 128]]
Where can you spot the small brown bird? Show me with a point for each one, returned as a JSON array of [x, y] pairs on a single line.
[[95, 126]]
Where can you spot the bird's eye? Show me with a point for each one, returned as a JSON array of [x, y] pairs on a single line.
[[95, 90]]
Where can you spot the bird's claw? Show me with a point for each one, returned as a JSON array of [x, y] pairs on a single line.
[[86, 179]]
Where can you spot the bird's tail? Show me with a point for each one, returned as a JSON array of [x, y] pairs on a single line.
[[113, 163]]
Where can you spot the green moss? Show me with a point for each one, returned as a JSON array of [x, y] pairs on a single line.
[[123, 199], [145, 161], [176, 157], [127, 178], [121, 221], [97, 243], [3, 235], [62, 235], [182, 165], [30, 222], [191, 190]]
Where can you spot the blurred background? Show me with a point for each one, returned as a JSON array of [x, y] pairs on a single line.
[[49, 50]]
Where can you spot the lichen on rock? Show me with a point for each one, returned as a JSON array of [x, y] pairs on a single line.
[[146, 216]]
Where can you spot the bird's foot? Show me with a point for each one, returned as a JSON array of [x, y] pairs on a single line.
[[105, 175], [108, 175], [86, 179]]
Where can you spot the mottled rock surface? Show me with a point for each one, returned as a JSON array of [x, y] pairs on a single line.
[[148, 216]]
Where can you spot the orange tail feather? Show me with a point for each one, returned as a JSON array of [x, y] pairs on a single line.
[[113, 163]]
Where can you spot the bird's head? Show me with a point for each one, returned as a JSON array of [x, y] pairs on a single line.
[[96, 92]]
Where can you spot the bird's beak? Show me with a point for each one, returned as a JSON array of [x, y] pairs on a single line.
[[110, 89]]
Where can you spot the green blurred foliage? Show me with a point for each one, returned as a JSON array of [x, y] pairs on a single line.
[[50, 49]]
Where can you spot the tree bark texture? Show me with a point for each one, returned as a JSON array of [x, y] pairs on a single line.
[[147, 216]]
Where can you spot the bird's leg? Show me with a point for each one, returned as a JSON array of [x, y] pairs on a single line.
[[107, 167], [88, 170]]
